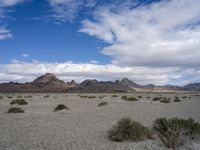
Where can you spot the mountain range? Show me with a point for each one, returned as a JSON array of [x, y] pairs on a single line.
[[50, 83]]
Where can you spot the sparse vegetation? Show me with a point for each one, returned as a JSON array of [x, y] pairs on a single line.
[[174, 132], [1, 97], [102, 104], [126, 98], [113, 96], [91, 97], [19, 102], [184, 97], [15, 110], [126, 129], [61, 107], [139, 96]]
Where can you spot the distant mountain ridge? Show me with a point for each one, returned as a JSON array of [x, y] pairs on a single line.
[[50, 83]]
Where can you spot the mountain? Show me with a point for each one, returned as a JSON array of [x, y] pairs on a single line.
[[128, 83], [94, 86], [45, 83], [50, 83], [192, 87]]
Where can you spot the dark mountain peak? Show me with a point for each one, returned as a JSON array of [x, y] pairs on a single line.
[[89, 82], [129, 83], [48, 77]]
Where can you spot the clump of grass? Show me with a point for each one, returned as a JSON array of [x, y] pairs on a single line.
[[15, 110], [126, 129], [174, 132], [61, 107], [126, 98], [19, 102], [102, 104], [46, 96]]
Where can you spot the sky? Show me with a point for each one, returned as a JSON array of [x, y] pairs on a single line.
[[147, 41]]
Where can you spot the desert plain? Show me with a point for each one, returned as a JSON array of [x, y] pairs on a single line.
[[84, 126]]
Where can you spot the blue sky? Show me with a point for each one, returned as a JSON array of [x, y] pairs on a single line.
[[148, 41]]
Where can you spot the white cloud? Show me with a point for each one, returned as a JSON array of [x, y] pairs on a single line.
[[23, 72], [8, 3], [5, 33], [25, 55], [163, 34], [66, 10]]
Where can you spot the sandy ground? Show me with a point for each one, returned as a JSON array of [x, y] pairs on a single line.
[[84, 126]]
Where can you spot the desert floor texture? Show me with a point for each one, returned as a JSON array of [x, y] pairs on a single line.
[[85, 125]]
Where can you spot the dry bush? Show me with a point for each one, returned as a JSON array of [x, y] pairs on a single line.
[[15, 110], [102, 104], [126, 129], [61, 107], [174, 132], [19, 102]]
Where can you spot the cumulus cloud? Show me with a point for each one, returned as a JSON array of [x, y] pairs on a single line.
[[66, 10], [23, 72], [25, 55], [160, 34]]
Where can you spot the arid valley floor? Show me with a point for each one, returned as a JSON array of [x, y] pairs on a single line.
[[84, 126]]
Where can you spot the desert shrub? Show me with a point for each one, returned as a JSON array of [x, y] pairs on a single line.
[[61, 107], [114, 96], [140, 97], [102, 104], [83, 96], [15, 110], [156, 99], [164, 100], [1, 97], [19, 102], [55, 97], [126, 129], [100, 97], [19, 96], [29, 96], [174, 132], [90, 97], [177, 99], [46, 96], [126, 98], [184, 97], [147, 97]]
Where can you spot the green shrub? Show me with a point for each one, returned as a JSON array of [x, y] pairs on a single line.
[[173, 132], [126, 129], [15, 110], [61, 107], [19, 102], [126, 98], [102, 104]]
